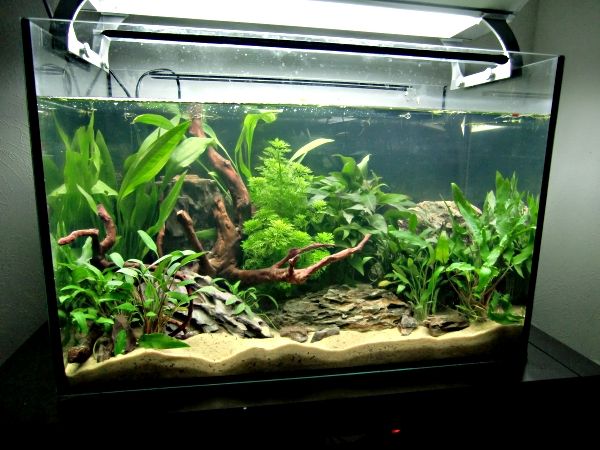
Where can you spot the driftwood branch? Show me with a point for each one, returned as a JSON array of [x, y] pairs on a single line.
[[291, 274], [235, 184], [188, 225], [160, 242], [99, 248], [110, 229], [294, 253]]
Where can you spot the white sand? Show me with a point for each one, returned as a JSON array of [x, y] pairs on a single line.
[[219, 354]]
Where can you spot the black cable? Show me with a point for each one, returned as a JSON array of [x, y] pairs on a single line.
[[155, 72], [111, 73], [108, 85], [48, 10]]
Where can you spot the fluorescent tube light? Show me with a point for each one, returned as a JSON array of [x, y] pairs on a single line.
[[372, 18]]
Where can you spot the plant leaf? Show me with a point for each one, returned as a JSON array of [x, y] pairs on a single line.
[[117, 259], [88, 198], [442, 248], [145, 169], [523, 256], [188, 151], [160, 341], [120, 342], [239, 308], [167, 205], [148, 241], [128, 271], [363, 165], [154, 119], [466, 210], [303, 151], [102, 188], [107, 170], [191, 257], [378, 222]]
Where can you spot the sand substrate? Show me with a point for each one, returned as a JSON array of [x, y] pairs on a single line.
[[220, 354]]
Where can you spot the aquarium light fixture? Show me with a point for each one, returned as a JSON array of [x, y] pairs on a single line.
[[374, 17]]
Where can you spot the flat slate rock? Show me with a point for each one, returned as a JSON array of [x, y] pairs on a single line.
[[360, 308]]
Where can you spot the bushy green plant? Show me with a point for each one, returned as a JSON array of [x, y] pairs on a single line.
[[282, 187], [492, 247], [353, 203], [284, 211], [147, 295], [270, 239]]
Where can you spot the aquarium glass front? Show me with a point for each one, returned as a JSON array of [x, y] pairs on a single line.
[[221, 206]]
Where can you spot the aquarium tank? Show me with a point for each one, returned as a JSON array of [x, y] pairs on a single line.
[[228, 205]]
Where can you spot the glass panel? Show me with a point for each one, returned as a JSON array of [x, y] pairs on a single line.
[[352, 208]]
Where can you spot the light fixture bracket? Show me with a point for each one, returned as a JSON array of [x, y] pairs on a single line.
[[510, 48]]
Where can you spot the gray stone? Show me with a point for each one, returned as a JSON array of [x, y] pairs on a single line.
[[408, 324], [444, 323], [435, 214], [297, 333], [326, 332], [360, 308]]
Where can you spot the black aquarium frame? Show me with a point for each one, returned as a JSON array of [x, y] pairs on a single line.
[[508, 362]]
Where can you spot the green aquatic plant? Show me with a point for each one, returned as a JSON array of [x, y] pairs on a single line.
[[281, 194], [243, 147], [492, 247], [418, 272], [146, 295], [91, 295], [354, 204], [270, 239], [137, 201], [251, 300], [157, 292], [282, 187], [87, 176], [142, 203]]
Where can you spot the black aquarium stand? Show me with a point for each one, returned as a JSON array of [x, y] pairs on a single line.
[[436, 408]]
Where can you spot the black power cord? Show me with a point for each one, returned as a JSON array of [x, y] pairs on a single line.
[[155, 72]]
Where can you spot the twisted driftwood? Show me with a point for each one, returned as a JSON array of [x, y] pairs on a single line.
[[222, 260]]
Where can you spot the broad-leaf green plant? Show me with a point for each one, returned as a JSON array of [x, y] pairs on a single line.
[[492, 247], [418, 272], [136, 200], [354, 203], [157, 292], [91, 295], [86, 177]]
